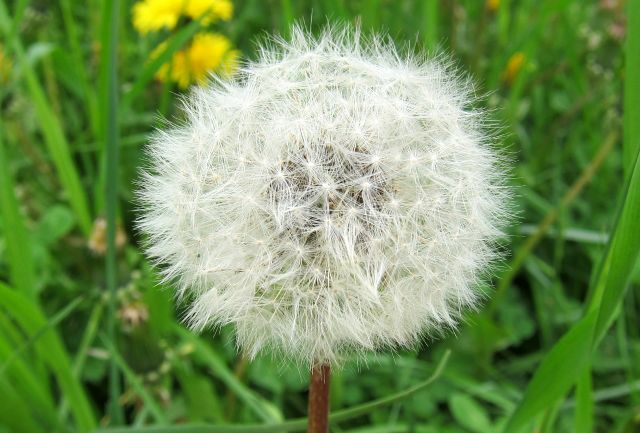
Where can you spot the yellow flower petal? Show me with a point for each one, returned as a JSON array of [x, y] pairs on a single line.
[[210, 10], [152, 15], [514, 65]]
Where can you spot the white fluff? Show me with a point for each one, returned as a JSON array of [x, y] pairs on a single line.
[[333, 197]]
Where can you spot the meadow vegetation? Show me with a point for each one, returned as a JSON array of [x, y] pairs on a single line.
[[89, 338]]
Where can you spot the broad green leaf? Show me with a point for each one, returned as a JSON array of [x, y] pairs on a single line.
[[202, 403], [470, 414], [56, 222]]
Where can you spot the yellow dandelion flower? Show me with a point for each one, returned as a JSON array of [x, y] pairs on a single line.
[[209, 52], [209, 10], [492, 5], [176, 70], [514, 65], [153, 15], [5, 66]]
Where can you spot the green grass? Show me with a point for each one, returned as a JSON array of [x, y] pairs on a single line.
[[556, 348]]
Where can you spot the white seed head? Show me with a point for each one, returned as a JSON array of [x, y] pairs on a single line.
[[334, 197]]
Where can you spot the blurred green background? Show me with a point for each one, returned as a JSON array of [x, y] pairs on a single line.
[[88, 339]]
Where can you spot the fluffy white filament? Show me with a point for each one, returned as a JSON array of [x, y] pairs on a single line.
[[333, 197]]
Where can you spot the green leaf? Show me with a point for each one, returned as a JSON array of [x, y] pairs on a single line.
[[55, 223], [202, 403], [470, 414]]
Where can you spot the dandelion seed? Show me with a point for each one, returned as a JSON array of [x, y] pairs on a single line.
[[377, 205]]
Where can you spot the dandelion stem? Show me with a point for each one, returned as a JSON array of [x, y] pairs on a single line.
[[319, 399]]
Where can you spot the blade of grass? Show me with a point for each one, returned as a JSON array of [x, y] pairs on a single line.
[[73, 37], [51, 350], [296, 424], [288, 15], [173, 44], [632, 86], [18, 244], [51, 128], [14, 412], [568, 359], [336, 8], [150, 403], [621, 257], [88, 336], [33, 338], [583, 422], [430, 23], [26, 382], [371, 14], [264, 409], [111, 17], [556, 373]]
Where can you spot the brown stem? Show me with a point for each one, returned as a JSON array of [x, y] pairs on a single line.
[[319, 399]]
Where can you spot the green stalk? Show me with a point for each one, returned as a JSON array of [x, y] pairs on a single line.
[[430, 23], [111, 200], [294, 425]]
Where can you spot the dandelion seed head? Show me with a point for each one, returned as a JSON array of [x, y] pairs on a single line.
[[334, 197]]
